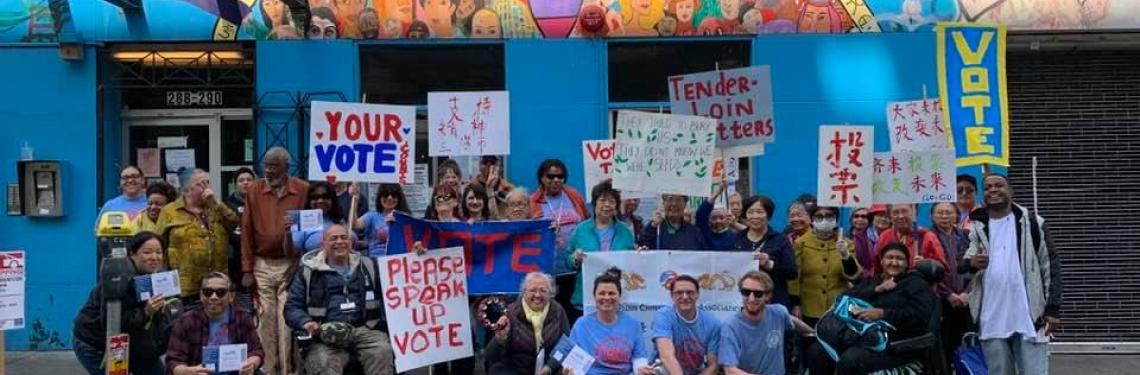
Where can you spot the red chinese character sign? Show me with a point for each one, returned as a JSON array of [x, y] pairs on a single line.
[[739, 99], [915, 176], [916, 125], [362, 142], [469, 123], [845, 162]]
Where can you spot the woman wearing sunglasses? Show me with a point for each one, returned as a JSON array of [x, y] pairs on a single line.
[[374, 224], [556, 201], [444, 204], [322, 197]]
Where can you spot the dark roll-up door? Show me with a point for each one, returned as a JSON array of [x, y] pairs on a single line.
[[1078, 112]]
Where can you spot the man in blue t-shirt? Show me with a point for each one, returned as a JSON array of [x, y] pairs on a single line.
[[752, 342], [133, 200], [686, 337]]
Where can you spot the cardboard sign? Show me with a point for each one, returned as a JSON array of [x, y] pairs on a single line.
[[13, 273], [916, 125], [597, 161], [469, 123], [915, 177], [972, 84], [664, 154], [362, 142], [845, 160], [499, 253], [740, 100], [425, 298]]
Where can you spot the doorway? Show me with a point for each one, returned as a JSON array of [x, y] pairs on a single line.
[[160, 142]]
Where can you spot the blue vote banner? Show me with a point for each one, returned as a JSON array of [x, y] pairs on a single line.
[[972, 83], [499, 253]]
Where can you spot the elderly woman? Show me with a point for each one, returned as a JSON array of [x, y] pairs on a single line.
[[157, 197], [799, 221], [826, 264], [769, 247], [322, 196], [901, 298], [532, 323], [518, 205], [197, 227], [955, 306], [669, 230], [598, 234], [443, 205], [611, 336]]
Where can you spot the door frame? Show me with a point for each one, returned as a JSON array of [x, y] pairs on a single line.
[[211, 118]]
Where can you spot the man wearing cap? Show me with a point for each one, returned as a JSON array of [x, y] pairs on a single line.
[[334, 298], [967, 201], [491, 178]]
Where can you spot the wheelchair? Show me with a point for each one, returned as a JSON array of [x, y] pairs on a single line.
[[301, 343]]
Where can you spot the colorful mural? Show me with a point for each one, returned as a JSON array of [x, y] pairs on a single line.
[[37, 20]]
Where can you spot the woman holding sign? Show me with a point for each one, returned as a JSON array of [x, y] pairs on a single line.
[[827, 266], [612, 337], [322, 197], [389, 200], [598, 234]]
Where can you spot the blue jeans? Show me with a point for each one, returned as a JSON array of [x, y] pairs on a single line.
[[1016, 354], [92, 360]]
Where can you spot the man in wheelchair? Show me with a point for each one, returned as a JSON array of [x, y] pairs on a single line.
[[333, 299]]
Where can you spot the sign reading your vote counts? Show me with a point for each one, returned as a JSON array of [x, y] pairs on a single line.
[[362, 142]]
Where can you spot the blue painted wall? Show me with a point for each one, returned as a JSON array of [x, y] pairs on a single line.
[[54, 110]]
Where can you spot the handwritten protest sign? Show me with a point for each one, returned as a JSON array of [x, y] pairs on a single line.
[[972, 84], [12, 276], [916, 125], [845, 159], [665, 154], [425, 298], [598, 161], [646, 277], [499, 253], [740, 100], [469, 123], [362, 142], [914, 177]]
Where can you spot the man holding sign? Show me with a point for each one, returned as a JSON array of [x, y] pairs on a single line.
[[218, 327]]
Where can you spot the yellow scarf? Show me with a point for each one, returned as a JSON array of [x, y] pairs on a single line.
[[536, 318]]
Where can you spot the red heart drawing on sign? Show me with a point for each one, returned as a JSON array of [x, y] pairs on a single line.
[[331, 179], [320, 135]]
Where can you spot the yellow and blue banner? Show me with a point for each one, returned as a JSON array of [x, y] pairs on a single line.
[[972, 83]]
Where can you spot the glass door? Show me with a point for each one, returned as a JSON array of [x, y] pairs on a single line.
[[160, 146]]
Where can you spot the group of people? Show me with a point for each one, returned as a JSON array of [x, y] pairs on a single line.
[[321, 287]]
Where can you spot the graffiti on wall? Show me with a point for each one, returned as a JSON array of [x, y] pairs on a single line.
[[40, 20]]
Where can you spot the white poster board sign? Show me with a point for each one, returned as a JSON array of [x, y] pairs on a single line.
[[362, 142], [664, 154], [739, 99], [916, 125], [425, 298], [846, 155], [469, 123]]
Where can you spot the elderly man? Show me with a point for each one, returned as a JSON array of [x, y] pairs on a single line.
[[215, 322], [264, 254], [668, 230], [529, 324], [1015, 296], [334, 298], [686, 337]]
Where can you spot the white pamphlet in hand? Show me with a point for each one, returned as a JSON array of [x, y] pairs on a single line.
[[309, 221], [165, 283], [578, 361], [224, 358], [539, 362], [1042, 336]]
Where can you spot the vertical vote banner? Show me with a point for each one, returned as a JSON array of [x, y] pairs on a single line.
[[425, 298], [647, 275], [739, 99], [362, 142], [915, 177], [916, 125], [664, 154], [972, 83], [597, 161], [499, 253], [469, 123], [845, 160]]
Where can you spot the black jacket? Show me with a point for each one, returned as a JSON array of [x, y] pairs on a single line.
[[518, 352], [148, 335], [908, 307]]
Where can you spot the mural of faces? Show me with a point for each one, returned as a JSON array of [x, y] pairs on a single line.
[[369, 24], [485, 25], [275, 13], [438, 15], [817, 16], [752, 20], [323, 24], [667, 26], [418, 30], [684, 10], [400, 10], [730, 9]]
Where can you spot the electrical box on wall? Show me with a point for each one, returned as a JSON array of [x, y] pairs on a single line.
[[40, 187]]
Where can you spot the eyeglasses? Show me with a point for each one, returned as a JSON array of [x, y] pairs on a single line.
[[858, 216], [553, 176], [753, 293], [444, 198], [684, 292], [541, 291], [221, 293], [130, 177], [965, 189]]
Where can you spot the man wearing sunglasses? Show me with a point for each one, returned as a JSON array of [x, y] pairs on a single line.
[[752, 341], [215, 322], [334, 300]]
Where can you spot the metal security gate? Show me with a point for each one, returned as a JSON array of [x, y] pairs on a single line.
[[1078, 111]]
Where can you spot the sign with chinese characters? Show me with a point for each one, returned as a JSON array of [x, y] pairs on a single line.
[[915, 177], [972, 84], [664, 154], [739, 99], [362, 142], [845, 157], [916, 125], [469, 123]]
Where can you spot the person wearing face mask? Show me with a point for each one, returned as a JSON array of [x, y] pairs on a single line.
[[197, 227], [157, 197], [144, 320], [827, 266], [717, 224], [900, 297], [922, 243], [769, 247], [597, 234], [669, 230]]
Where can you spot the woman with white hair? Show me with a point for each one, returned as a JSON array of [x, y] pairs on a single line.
[[531, 323]]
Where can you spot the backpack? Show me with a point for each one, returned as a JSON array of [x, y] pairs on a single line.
[[837, 330]]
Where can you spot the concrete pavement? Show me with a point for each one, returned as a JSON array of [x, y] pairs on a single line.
[[61, 363]]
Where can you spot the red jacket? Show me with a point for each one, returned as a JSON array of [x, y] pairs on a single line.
[[538, 199], [192, 330], [931, 247]]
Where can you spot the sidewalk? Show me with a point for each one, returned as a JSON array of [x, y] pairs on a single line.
[[41, 363]]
